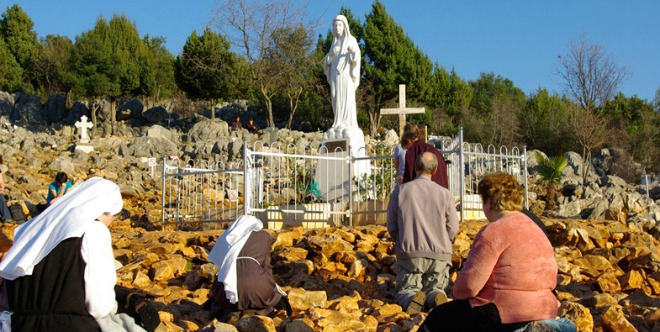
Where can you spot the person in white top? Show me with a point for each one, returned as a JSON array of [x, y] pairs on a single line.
[[60, 272], [407, 139]]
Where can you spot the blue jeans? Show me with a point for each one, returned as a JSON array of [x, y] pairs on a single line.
[[4, 210]]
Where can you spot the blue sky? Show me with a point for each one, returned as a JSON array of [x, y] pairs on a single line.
[[517, 39]]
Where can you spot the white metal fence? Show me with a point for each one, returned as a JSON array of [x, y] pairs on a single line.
[[468, 163], [281, 184]]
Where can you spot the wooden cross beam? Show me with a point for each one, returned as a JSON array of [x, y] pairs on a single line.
[[402, 110]]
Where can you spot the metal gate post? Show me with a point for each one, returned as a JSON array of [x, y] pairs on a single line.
[[461, 166], [246, 178], [350, 161], [524, 157], [162, 200]]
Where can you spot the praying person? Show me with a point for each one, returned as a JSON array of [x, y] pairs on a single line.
[[418, 147], [237, 125], [60, 271], [5, 214], [252, 127], [58, 188], [245, 279], [407, 138], [422, 220], [508, 277]]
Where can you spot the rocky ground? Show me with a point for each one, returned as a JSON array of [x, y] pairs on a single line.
[[340, 279]]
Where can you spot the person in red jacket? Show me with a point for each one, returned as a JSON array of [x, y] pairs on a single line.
[[420, 146], [509, 275]]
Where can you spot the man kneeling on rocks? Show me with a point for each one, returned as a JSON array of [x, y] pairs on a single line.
[[245, 280], [422, 220]]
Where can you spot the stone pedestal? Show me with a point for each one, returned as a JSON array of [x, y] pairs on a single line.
[[84, 147], [332, 176]]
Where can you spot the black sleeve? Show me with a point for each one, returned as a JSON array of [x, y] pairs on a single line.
[[536, 220]]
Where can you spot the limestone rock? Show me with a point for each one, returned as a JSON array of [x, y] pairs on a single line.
[[614, 320], [298, 326], [255, 324], [291, 254], [578, 314], [301, 299]]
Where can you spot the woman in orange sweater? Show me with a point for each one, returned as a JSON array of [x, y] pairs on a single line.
[[510, 273]]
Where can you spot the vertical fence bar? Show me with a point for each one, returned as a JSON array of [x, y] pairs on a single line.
[[350, 161], [246, 178], [461, 166], [524, 172], [162, 200]]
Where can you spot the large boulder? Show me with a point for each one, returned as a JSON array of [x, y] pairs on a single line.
[[63, 164], [6, 103], [75, 113], [157, 131], [28, 111], [149, 147], [55, 108], [132, 109], [209, 131], [156, 115]]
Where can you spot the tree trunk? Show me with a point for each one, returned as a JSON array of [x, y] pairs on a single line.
[[212, 109], [374, 116], [586, 161], [92, 110], [269, 107], [551, 197], [294, 100]]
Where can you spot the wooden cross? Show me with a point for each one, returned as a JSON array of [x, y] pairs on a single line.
[[83, 125], [271, 131], [402, 110]]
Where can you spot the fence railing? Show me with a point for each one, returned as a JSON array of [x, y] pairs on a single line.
[[282, 185]]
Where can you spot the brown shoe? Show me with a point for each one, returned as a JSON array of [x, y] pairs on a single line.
[[416, 304]]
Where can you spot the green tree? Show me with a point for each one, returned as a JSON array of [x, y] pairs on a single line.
[[161, 62], [206, 69], [11, 73], [21, 41], [109, 60], [250, 26], [52, 67], [591, 78], [551, 172], [636, 126], [449, 95], [543, 122], [494, 109], [290, 53], [391, 59]]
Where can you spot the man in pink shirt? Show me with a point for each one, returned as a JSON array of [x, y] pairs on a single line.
[[510, 273]]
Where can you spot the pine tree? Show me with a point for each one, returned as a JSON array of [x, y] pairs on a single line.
[[21, 41], [206, 69]]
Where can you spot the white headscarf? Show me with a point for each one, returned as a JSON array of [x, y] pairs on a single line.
[[226, 249], [68, 217]]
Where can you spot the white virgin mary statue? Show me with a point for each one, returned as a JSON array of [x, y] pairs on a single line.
[[342, 69]]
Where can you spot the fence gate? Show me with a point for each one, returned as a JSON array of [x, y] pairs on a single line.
[[468, 163], [278, 184]]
